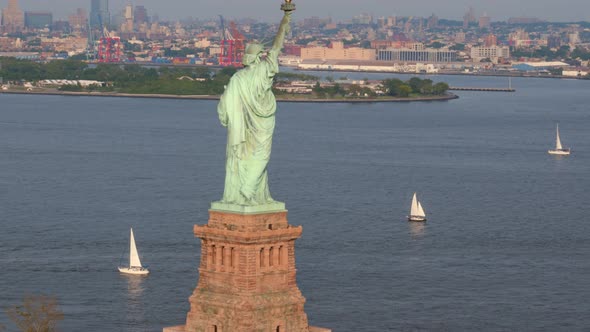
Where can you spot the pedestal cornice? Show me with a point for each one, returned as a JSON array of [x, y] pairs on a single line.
[[248, 209], [262, 237]]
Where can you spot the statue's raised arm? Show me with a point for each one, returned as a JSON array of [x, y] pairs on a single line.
[[279, 41]]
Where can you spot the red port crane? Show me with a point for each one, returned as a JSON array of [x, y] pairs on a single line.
[[109, 46], [232, 45]]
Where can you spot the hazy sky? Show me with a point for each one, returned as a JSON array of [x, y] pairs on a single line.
[[552, 10]]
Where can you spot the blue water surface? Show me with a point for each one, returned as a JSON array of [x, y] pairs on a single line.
[[506, 246]]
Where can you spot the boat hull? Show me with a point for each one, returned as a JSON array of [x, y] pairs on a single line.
[[416, 218], [562, 152], [134, 270]]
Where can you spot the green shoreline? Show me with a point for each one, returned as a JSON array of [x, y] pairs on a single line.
[[448, 96]]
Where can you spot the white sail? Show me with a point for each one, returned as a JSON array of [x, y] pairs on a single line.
[[558, 140], [133, 255], [414, 210], [421, 211]]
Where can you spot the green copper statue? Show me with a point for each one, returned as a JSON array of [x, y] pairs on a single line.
[[247, 108]]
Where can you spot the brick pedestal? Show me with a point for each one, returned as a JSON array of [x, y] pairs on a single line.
[[247, 276]]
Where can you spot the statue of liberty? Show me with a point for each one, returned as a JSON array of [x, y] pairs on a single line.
[[247, 108]]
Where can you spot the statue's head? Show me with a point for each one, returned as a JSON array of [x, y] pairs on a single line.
[[252, 54]]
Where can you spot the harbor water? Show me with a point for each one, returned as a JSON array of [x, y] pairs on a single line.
[[506, 246]]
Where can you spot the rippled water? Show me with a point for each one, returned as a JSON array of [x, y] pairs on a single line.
[[506, 246]]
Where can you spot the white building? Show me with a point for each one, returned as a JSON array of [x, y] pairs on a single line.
[[413, 55], [289, 60], [574, 73], [82, 83], [489, 52]]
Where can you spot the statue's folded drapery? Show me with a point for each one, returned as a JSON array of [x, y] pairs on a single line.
[[247, 108]]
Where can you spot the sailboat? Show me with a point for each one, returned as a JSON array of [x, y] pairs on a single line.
[[416, 211], [134, 262], [559, 150]]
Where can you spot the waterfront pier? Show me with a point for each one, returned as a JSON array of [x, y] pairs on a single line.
[[468, 88]]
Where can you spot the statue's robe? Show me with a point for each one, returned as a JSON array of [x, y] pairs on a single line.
[[247, 108]]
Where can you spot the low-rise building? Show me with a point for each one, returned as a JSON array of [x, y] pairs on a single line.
[[368, 66], [71, 45], [412, 55], [575, 73], [21, 55], [289, 60], [539, 66], [494, 53], [337, 51], [82, 83]]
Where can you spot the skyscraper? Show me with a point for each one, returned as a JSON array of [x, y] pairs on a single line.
[[38, 20], [127, 25], [79, 19], [141, 15], [468, 18], [484, 21], [99, 13], [13, 18], [432, 22]]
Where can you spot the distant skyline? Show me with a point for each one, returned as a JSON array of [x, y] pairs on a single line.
[[498, 10]]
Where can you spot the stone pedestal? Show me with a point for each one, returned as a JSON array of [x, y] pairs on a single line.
[[247, 275]]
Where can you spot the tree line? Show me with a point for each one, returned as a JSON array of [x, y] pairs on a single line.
[[414, 86], [122, 78], [394, 87], [137, 79]]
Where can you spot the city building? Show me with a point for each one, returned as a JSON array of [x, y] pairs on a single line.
[[315, 22], [429, 55], [362, 19], [574, 73], [38, 20], [202, 43], [573, 38], [490, 40], [382, 44], [32, 56], [432, 22], [484, 21], [539, 66], [128, 20], [391, 21], [99, 13], [520, 38], [79, 19], [554, 41], [469, 18], [493, 53], [140, 15], [13, 18], [61, 26], [337, 51], [70, 45], [8, 44], [292, 49], [460, 37]]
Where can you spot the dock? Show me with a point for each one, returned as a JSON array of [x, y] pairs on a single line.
[[465, 88]]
